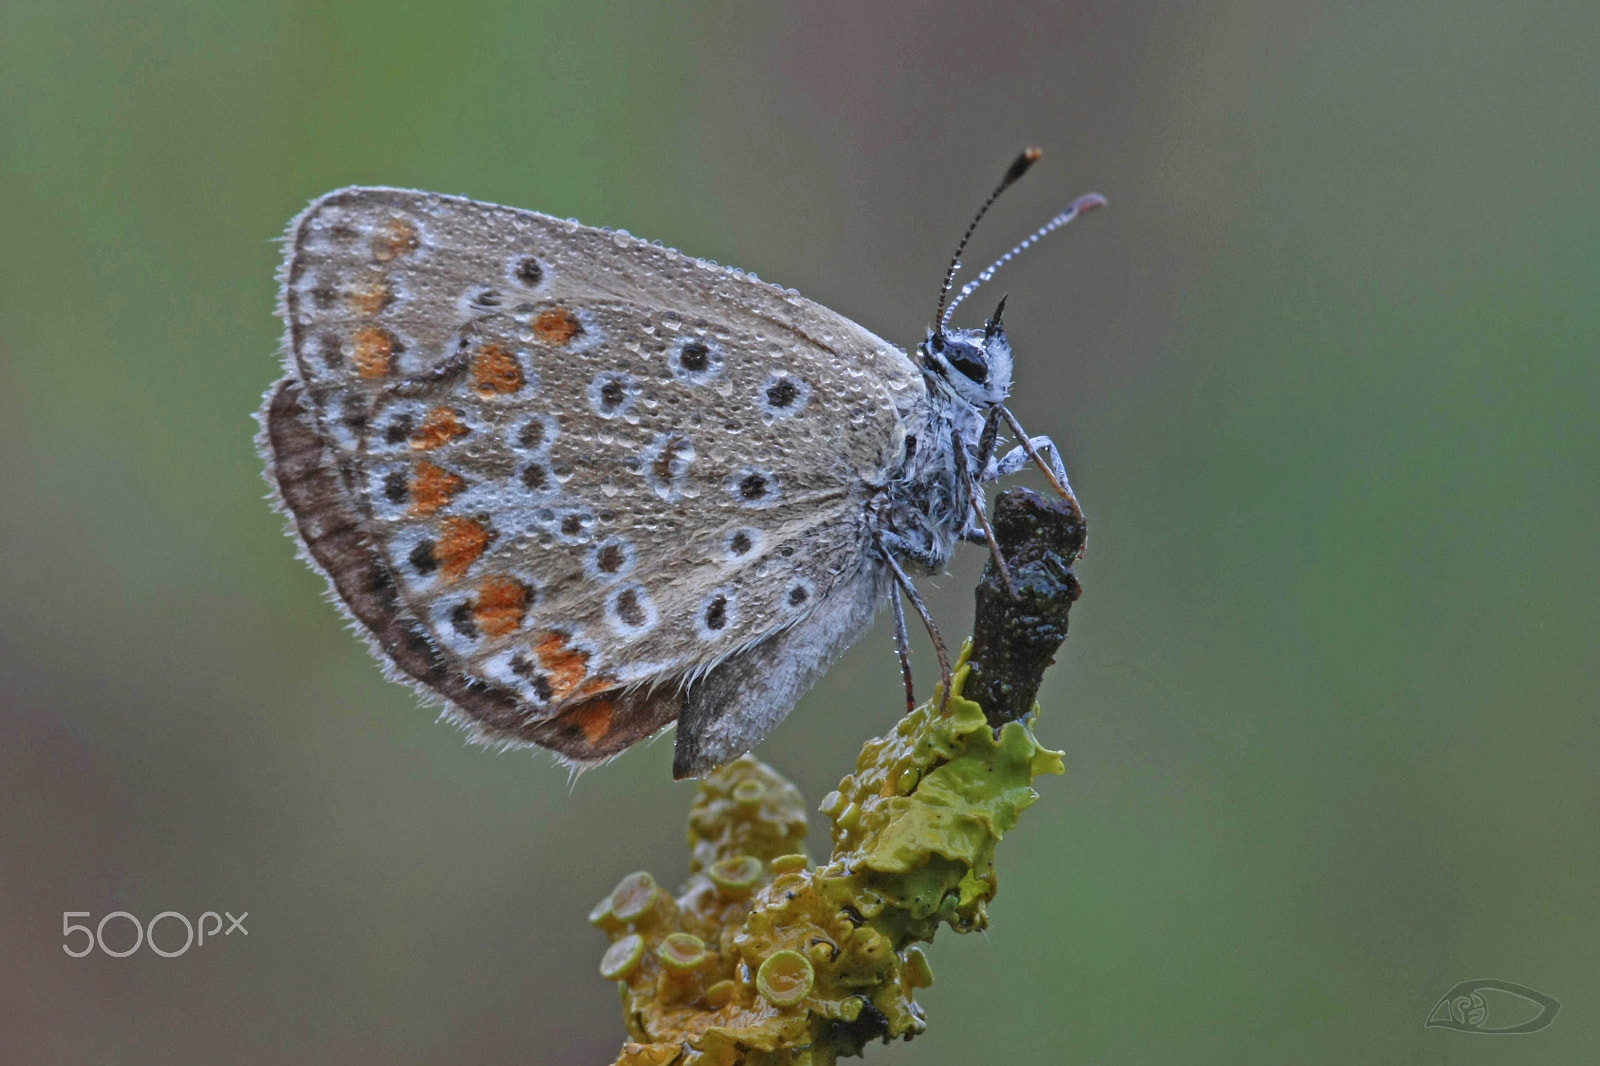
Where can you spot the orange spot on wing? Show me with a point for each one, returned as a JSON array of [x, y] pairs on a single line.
[[439, 426], [393, 237], [594, 718], [566, 667], [374, 352], [495, 371], [597, 683], [431, 488], [502, 603], [368, 297], [460, 544], [557, 327]]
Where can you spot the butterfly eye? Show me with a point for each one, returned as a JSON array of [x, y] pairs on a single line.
[[970, 365]]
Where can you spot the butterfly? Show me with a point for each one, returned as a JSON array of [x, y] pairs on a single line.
[[582, 487]]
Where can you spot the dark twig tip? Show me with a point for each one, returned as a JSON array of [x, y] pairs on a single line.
[[1014, 638]]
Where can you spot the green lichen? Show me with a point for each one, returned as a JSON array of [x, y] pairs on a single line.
[[763, 960]]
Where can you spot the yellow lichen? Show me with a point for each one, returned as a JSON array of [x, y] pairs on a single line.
[[764, 961]]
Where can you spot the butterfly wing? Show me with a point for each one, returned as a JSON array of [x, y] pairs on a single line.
[[559, 474], [746, 695]]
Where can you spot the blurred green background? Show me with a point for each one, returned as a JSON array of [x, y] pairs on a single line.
[[1325, 373]]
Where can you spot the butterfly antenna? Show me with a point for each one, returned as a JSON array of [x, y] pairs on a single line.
[[1079, 206], [1019, 166]]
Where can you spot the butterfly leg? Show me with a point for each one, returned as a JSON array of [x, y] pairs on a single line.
[[921, 608], [902, 648], [983, 472], [1031, 449], [975, 495], [986, 442]]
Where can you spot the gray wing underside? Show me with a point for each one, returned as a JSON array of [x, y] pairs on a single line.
[[742, 700], [513, 592]]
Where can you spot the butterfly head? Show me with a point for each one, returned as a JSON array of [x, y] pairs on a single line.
[[975, 364]]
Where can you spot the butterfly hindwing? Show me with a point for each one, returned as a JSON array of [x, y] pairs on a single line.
[[746, 695]]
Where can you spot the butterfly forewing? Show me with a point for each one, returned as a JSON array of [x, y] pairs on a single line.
[[543, 463]]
